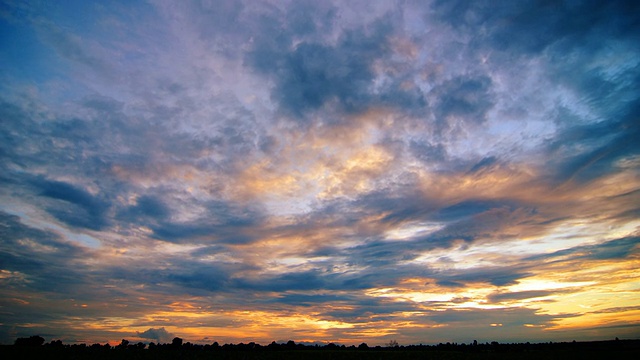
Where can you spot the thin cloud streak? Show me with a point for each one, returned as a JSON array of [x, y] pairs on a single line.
[[337, 172]]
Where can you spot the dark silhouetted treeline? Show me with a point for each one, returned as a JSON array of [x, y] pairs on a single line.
[[35, 347]]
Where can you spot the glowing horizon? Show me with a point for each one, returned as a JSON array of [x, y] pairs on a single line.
[[346, 172]]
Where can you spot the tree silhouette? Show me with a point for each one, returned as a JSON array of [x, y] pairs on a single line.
[[393, 344], [34, 348], [56, 343], [176, 342], [30, 341]]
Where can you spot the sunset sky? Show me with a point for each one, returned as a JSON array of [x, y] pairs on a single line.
[[319, 171]]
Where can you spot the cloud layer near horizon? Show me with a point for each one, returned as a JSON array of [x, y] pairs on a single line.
[[345, 171]]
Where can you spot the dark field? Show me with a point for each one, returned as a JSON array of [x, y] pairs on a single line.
[[619, 349]]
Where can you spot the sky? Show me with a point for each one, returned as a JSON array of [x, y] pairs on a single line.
[[319, 171]]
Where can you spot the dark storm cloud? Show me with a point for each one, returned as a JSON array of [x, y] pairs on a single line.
[[634, 211], [84, 144], [449, 283], [483, 223], [533, 26], [345, 307], [276, 31], [498, 276], [291, 281], [468, 208], [324, 276], [206, 278], [570, 38], [628, 214], [360, 309], [105, 140], [609, 250], [370, 278], [172, 274], [379, 253], [520, 295], [222, 222], [101, 136], [147, 207], [485, 163], [464, 97], [428, 152], [310, 300], [19, 262], [313, 73], [399, 207], [623, 331], [200, 232], [41, 256], [24, 143], [617, 309], [506, 317], [78, 207], [586, 152], [468, 221]]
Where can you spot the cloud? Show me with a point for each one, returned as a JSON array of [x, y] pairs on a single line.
[[347, 171], [220, 222], [160, 335], [598, 155], [69, 45], [206, 278], [449, 283], [310, 299], [303, 280], [79, 208], [520, 295], [499, 276], [468, 208], [40, 255], [532, 27], [427, 152], [147, 206], [606, 250], [312, 73], [464, 98]]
